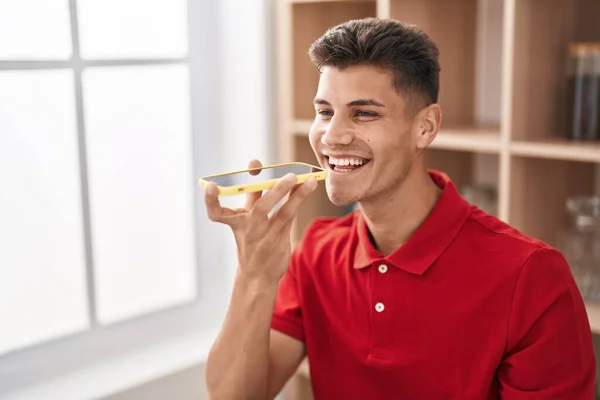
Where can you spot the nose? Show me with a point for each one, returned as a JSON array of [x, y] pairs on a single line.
[[337, 134]]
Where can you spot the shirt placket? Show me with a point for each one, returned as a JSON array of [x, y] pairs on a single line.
[[382, 311]]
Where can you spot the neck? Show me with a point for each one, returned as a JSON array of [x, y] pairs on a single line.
[[393, 217]]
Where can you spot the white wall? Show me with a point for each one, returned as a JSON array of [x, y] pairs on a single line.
[[247, 114], [246, 121]]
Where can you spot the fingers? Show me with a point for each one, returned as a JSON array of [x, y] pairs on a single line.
[[285, 215], [217, 213], [213, 206], [286, 231], [252, 197], [266, 203], [294, 189]]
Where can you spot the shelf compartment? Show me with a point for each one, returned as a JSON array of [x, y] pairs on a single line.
[[540, 187], [469, 38], [310, 20], [481, 140], [467, 169], [543, 30], [301, 127], [557, 149]]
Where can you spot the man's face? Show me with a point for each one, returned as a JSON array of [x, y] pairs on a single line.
[[360, 134]]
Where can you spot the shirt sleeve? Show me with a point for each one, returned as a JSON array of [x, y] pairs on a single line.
[[549, 352], [287, 313]]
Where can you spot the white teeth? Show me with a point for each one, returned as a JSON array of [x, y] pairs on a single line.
[[345, 161]]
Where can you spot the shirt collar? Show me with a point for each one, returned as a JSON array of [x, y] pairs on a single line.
[[429, 241]]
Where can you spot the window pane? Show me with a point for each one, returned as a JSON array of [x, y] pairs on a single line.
[[132, 28], [35, 29], [141, 188], [42, 262]]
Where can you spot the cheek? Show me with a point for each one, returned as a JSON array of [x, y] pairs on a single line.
[[393, 156], [314, 140]]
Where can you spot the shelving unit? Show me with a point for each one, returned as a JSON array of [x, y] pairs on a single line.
[[503, 82], [557, 149]]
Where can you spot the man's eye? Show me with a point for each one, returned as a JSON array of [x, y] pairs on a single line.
[[325, 113], [365, 114]]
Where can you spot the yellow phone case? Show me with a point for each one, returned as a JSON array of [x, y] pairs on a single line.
[[319, 175]]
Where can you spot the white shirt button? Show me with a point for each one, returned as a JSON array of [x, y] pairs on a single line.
[[383, 268], [379, 307]]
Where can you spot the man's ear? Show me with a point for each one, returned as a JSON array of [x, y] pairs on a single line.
[[429, 120]]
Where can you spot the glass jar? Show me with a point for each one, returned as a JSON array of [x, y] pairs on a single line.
[[583, 91], [580, 244]]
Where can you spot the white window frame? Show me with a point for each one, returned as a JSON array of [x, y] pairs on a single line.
[[71, 354]]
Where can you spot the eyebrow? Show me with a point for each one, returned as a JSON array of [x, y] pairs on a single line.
[[353, 103]]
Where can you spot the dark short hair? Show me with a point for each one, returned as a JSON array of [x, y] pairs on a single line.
[[397, 47]]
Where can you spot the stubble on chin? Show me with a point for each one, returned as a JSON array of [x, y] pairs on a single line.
[[342, 198]]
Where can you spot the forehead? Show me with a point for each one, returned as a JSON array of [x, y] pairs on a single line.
[[356, 82]]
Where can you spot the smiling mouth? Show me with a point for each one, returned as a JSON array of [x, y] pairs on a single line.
[[346, 164]]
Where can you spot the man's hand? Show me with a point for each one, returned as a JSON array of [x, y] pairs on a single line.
[[263, 241]]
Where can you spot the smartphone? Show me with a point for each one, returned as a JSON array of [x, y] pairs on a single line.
[[262, 178]]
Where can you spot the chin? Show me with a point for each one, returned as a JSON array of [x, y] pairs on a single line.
[[342, 198], [341, 202]]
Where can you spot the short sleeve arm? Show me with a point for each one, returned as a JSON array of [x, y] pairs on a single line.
[[549, 352], [287, 313]]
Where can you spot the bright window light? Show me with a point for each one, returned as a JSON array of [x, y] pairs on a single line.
[[35, 30], [141, 188], [42, 257], [132, 29]]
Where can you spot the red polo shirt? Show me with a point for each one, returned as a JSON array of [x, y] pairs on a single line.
[[468, 308]]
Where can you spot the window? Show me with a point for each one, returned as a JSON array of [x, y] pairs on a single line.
[[103, 114]]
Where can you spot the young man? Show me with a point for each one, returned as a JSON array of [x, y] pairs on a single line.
[[418, 295]]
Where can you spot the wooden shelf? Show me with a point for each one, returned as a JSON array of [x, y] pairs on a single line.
[[301, 126], [475, 139], [557, 149], [481, 140], [330, 1], [593, 311]]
